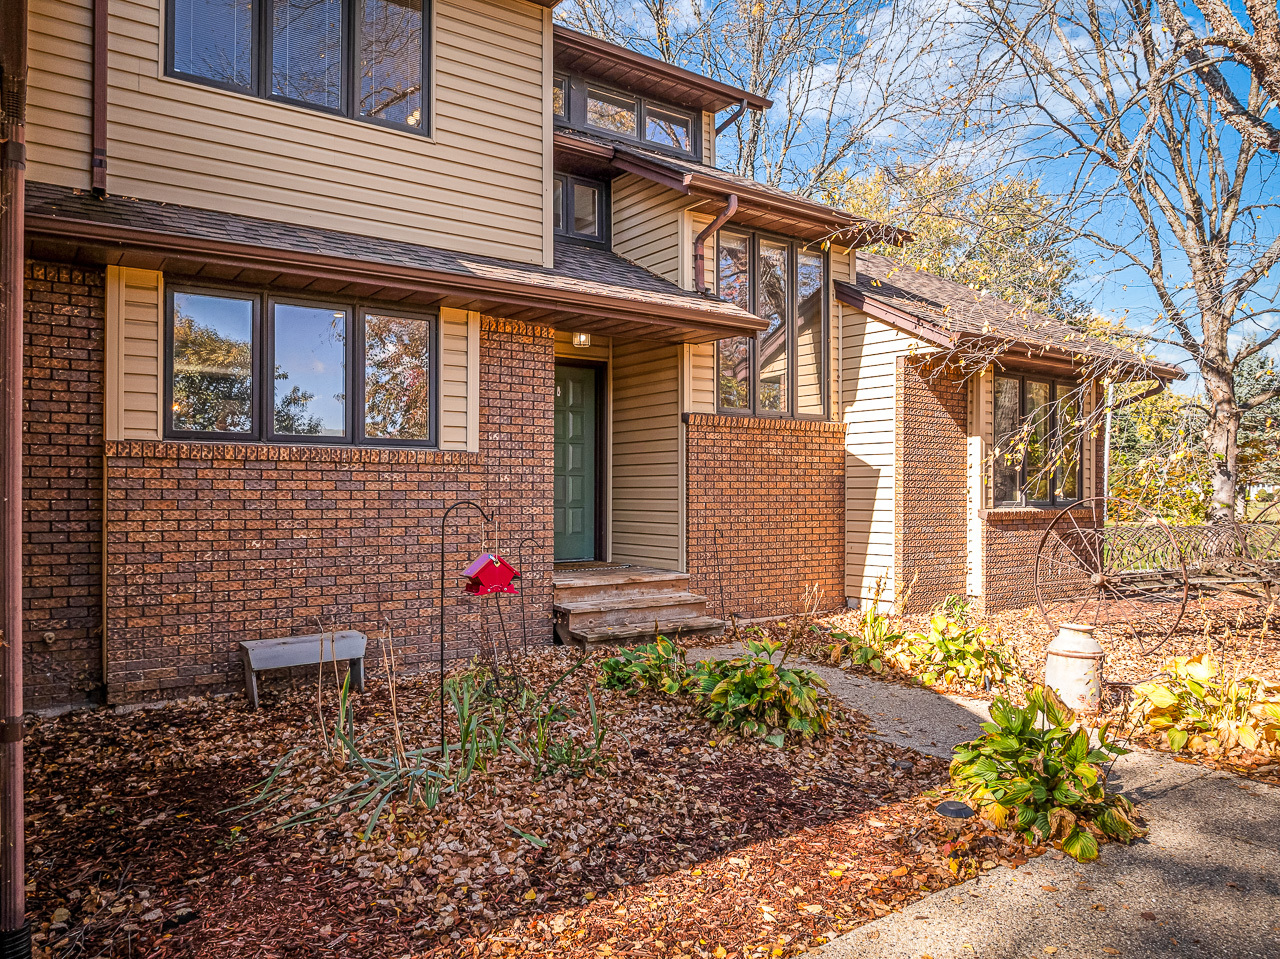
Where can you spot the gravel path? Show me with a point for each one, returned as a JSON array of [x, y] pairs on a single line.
[[1204, 883]]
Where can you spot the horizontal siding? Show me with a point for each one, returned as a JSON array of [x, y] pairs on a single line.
[[647, 223], [60, 92], [646, 525], [476, 186], [135, 325], [708, 138], [702, 379], [455, 377], [597, 351], [869, 356]]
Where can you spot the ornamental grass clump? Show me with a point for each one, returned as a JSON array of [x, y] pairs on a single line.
[[1032, 771], [753, 695], [1192, 705]]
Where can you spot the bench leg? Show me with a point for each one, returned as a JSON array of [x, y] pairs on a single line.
[[357, 668], [250, 683]]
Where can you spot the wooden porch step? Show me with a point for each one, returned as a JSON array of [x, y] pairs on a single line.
[[620, 610], [604, 583], [638, 634]]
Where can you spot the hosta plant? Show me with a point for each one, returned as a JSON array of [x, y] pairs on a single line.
[[872, 645], [1195, 707], [659, 665], [1032, 771], [953, 653], [755, 695]]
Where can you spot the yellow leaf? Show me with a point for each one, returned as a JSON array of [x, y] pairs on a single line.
[[836, 873], [900, 871], [721, 952], [531, 894]]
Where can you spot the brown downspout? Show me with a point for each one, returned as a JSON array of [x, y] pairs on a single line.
[[15, 934], [98, 161], [700, 244]]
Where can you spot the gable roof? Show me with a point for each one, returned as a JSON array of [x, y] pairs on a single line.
[[586, 289], [950, 314], [601, 60], [760, 205]]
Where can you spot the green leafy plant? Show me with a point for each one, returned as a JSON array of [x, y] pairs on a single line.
[[954, 653], [872, 646], [659, 665], [1030, 769], [753, 695], [1195, 707], [545, 740]]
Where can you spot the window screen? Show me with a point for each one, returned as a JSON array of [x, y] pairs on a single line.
[[212, 357], [733, 355], [213, 39], [310, 371], [306, 51], [391, 61], [610, 111], [397, 377], [667, 128], [811, 372], [586, 203], [772, 302]]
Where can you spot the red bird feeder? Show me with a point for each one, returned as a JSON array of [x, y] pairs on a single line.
[[491, 574]]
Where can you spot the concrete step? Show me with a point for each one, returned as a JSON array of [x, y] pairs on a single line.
[[573, 586], [664, 606], [638, 635]]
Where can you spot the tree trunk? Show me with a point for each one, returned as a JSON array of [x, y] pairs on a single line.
[[1221, 438]]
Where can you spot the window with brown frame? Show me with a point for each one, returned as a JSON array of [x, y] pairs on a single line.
[[1038, 459], [595, 108], [256, 367], [580, 208], [783, 370]]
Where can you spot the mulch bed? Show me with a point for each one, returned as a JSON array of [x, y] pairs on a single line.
[[679, 844]]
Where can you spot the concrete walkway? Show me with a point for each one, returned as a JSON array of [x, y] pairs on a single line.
[[1204, 883]]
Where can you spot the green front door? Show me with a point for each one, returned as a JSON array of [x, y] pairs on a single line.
[[575, 506]]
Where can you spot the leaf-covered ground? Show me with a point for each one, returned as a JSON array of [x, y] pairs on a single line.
[[681, 844]]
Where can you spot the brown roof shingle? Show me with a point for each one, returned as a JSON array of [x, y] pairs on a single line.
[[950, 313]]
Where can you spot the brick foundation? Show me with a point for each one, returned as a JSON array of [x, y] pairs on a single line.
[[765, 515], [63, 376], [930, 483], [209, 544]]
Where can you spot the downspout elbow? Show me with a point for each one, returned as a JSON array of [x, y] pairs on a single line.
[[700, 243]]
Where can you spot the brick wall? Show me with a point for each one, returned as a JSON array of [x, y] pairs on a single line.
[[765, 513], [63, 374], [930, 483], [210, 544]]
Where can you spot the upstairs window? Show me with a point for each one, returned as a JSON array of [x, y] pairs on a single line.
[[783, 370], [365, 59], [579, 208], [1038, 440], [595, 108], [253, 367]]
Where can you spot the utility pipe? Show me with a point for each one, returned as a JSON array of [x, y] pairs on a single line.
[[700, 244], [15, 934], [98, 158]]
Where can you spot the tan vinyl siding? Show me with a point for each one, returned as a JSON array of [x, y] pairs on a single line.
[[134, 371], [60, 94], [647, 224], [646, 526], [709, 138], [477, 185], [458, 395], [702, 379], [597, 351], [870, 352]]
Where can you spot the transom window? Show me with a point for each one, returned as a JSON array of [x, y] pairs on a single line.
[[580, 209], [782, 371], [365, 59], [1038, 442], [257, 367], [593, 107]]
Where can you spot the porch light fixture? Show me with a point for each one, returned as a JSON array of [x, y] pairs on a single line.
[[582, 340]]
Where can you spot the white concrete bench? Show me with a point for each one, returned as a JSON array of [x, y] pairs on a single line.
[[286, 651]]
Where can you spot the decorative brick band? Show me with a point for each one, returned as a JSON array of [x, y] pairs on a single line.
[[763, 423], [1022, 514], [268, 452]]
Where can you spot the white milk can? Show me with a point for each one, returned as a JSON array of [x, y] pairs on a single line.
[[1073, 667]]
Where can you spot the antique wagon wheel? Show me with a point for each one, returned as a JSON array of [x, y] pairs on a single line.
[[1126, 576], [1262, 546]]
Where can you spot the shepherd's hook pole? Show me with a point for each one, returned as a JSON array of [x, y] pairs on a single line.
[[444, 520]]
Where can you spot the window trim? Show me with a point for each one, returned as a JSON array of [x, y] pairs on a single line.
[[260, 66], [603, 204], [753, 238], [575, 116], [1024, 501], [262, 417]]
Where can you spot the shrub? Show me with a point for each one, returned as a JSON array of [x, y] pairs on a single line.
[[753, 695], [1196, 708], [660, 665], [1031, 768]]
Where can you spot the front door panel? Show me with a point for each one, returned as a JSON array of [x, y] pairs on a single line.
[[575, 463]]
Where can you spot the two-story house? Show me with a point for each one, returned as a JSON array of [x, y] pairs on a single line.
[[301, 275]]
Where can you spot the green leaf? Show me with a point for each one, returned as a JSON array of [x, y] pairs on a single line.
[[1080, 845]]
